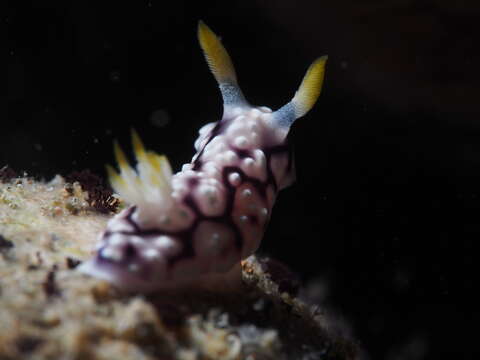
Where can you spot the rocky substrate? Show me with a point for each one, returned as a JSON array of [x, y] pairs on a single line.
[[48, 310]]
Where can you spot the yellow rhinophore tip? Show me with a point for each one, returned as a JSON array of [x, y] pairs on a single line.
[[309, 90], [138, 147], [217, 57], [120, 157]]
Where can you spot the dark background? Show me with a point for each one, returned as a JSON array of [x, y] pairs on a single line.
[[385, 215]]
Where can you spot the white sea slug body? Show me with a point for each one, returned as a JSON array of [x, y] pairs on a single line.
[[204, 219]]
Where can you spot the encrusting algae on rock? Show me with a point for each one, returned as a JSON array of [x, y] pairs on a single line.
[[50, 310]]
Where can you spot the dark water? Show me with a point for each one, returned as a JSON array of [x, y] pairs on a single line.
[[386, 209]]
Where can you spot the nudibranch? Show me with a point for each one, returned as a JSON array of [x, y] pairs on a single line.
[[182, 228]]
